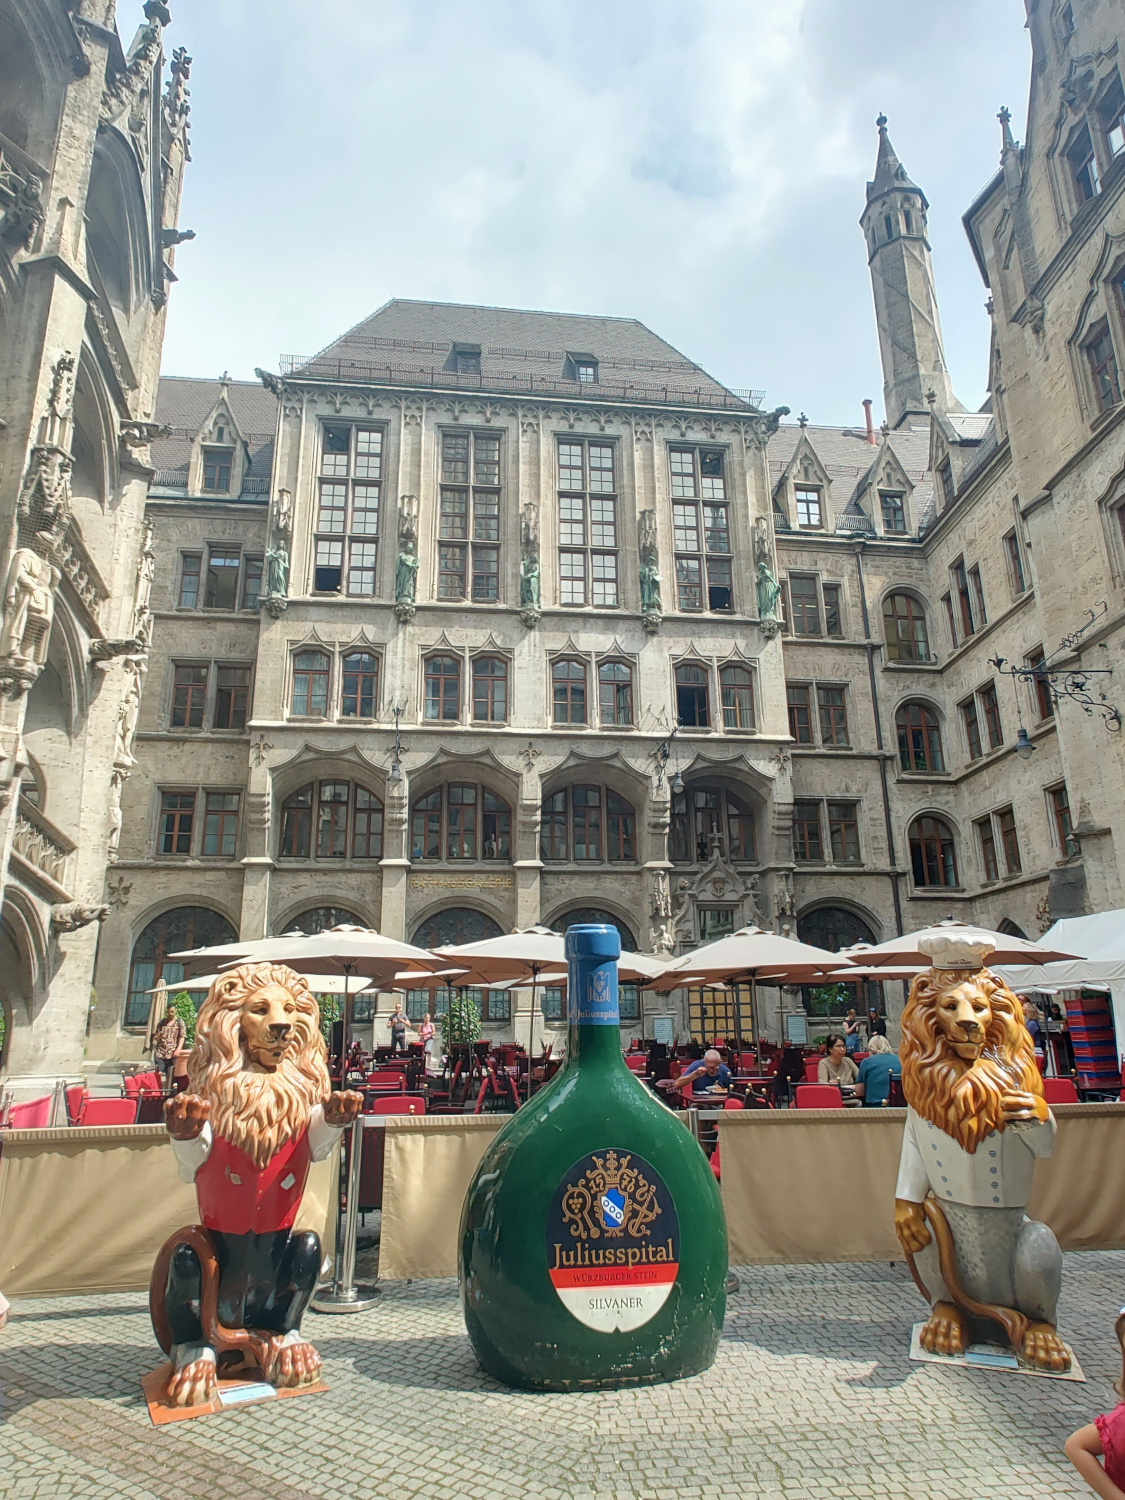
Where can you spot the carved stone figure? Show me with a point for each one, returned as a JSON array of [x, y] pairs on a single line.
[[762, 540], [769, 591], [277, 569], [663, 943], [976, 1122], [29, 603], [651, 604], [146, 572], [283, 513], [661, 898], [529, 581], [118, 778], [128, 714], [72, 915], [258, 1111], [406, 563]]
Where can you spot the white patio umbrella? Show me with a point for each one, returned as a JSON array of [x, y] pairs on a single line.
[[320, 984], [220, 955], [353, 952], [1005, 947], [751, 956]]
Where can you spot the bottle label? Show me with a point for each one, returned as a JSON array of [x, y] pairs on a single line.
[[613, 1241], [592, 1000]]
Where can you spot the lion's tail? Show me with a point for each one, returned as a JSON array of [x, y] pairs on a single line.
[[1014, 1323], [219, 1338]]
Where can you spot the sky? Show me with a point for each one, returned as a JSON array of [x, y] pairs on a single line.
[[697, 164]]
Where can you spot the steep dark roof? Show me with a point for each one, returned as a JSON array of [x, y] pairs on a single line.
[[847, 458], [519, 350], [184, 403]]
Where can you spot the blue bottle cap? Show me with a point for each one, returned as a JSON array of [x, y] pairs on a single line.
[[593, 941]]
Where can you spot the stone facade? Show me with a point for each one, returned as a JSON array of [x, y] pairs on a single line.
[[482, 617], [92, 149]]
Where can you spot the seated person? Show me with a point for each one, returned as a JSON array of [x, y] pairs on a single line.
[[836, 1067], [708, 1076], [790, 1070], [873, 1084]]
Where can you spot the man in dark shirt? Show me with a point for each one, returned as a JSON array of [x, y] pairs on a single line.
[[709, 1076]]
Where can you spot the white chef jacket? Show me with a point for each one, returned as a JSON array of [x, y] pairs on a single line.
[[997, 1175], [190, 1155]]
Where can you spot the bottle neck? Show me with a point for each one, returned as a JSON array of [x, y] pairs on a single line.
[[599, 1046]]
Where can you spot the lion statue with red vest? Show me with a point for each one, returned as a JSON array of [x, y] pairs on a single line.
[[258, 1111], [976, 1123]]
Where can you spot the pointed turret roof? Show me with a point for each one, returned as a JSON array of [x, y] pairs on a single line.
[[890, 174]]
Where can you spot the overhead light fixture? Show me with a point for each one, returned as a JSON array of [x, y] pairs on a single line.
[[677, 783], [1024, 748], [396, 770]]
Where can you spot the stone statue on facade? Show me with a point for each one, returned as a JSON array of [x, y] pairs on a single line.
[[406, 562], [128, 714], [769, 592], [25, 632], [529, 567], [275, 595], [651, 604], [277, 570]]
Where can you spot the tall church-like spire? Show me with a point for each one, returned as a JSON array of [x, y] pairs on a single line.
[[902, 279]]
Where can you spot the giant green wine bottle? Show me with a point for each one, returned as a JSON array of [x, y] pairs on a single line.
[[593, 1247]]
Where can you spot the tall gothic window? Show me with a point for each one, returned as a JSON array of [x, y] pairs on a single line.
[[919, 738], [701, 530], [587, 823], [347, 522], [904, 628], [568, 692], [490, 690], [443, 688], [469, 528], [708, 820], [588, 539], [932, 853], [360, 679], [310, 684], [175, 932]]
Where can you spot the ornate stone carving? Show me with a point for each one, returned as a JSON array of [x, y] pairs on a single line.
[[118, 891], [21, 196], [651, 605], [38, 848], [103, 651], [176, 106], [29, 604], [406, 563], [43, 509], [275, 597], [260, 749], [71, 915], [128, 84], [118, 777]]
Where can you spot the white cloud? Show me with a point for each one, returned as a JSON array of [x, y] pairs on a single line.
[[698, 164]]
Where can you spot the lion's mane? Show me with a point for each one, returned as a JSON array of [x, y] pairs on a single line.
[[964, 1099], [257, 1112]]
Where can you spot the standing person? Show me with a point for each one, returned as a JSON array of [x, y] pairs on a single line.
[[876, 1025], [1103, 1438], [836, 1066], [1035, 1026], [873, 1081], [399, 1027], [167, 1040], [851, 1032], [426, 1037]]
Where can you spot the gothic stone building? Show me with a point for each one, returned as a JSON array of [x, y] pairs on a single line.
[[92, 151], [481, 618]]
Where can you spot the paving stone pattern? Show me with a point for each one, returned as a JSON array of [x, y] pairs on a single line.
[[812, 1395]]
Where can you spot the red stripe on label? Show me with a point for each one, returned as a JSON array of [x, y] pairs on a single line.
[[615, 1275]]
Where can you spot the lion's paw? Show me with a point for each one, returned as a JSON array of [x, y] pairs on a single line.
[[295, 1364], [944, 1331], [1043, 1348], [194, 1381]]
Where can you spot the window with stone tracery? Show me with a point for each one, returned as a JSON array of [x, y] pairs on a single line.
[[347, 521]]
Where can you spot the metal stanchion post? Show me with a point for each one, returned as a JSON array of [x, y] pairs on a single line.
[[346, 1296]]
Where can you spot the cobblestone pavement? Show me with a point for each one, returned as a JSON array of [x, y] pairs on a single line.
[[812, 1395]]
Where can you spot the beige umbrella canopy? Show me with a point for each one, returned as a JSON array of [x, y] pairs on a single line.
[[997, 947], [220, 955], [156, 1011], [748, 956], [320, 984]]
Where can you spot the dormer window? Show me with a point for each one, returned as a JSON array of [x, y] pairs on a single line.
[[466, 359], [216, 470], [894, 510], [585, 369], [1084, 168], [809, 512]]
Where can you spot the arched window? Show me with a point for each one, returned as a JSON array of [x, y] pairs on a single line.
[[174, 932], [321, 918], [833, 927], [587, 823], [443, 688], [919, 738], [456, 925], [615, 693], [932, 853], [568, 692], [360, 691], [693, 709], [904, 625], [310, 684], [461, 821], [332, 817], [710, 820], [490, 690], [736, 685]]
